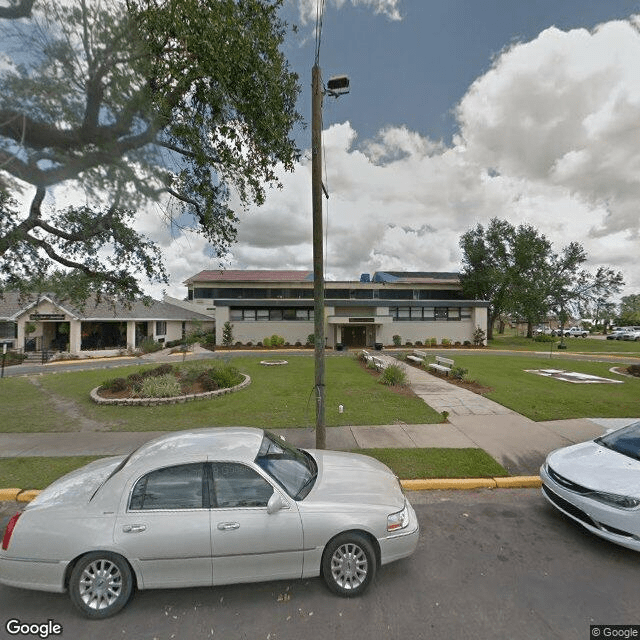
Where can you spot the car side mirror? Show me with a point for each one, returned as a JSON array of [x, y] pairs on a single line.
[[275, 503]]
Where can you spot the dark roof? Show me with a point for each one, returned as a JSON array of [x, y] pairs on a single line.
[[13, 305], [248, 275]]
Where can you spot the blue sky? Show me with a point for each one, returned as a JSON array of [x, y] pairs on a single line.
[[415, 70]]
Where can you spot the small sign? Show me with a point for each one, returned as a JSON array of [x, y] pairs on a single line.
[[47, 316]]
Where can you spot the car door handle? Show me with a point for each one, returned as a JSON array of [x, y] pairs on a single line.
[[134, 528], [228, 526]]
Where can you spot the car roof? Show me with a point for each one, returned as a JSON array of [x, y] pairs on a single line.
[[216, 443]]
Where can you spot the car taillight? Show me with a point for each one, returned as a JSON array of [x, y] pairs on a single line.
[[9, 530]]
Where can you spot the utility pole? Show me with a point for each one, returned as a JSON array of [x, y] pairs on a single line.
[[318, 257]]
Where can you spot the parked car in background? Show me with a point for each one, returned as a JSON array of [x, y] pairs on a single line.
[[208, 507], [618, 333], [632, 334], [597, 484], [576, 332]]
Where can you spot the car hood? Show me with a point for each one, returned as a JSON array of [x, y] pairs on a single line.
[[351, 478], [596, 467], [77, 488]]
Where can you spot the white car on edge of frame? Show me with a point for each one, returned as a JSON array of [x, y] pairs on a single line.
[[208, 507], [597, 483]]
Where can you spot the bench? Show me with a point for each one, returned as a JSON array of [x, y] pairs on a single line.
[[442, 364], [376, 362], [417, 356]]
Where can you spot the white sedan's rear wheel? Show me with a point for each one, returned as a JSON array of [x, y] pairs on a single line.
[[349, 564], [100, 584]]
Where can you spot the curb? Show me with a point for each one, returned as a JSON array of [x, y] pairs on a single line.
[[434, 484], [515, 482]]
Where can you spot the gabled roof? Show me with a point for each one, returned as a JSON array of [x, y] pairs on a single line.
[[249, 275], [13, 305]]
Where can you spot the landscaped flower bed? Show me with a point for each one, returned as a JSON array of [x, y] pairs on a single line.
[[169, 384]]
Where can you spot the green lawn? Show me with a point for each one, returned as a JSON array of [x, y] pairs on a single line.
[[574, 345], [542, 398], [277, 397]]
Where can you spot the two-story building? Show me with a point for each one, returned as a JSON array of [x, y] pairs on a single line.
[[416, 306]]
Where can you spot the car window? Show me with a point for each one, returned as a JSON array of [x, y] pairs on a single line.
[[177, 487], [293, 469], [625, 441], [237, 485]]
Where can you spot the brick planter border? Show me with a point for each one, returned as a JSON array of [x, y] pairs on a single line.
[[152, 402]]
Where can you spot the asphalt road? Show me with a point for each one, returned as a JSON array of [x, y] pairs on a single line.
[[490, 564]]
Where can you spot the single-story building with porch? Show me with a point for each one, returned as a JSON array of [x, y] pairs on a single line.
[[47, 323]]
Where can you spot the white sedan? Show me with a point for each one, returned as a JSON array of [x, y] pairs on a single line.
[[597, 483], [209, 507]]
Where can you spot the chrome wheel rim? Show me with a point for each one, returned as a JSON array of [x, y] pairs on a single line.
[[100, 584], [349, 566]]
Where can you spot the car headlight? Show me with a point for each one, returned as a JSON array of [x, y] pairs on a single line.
[[398, 520], [622, 502]]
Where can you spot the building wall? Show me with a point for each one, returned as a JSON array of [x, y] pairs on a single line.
[[381, 330]]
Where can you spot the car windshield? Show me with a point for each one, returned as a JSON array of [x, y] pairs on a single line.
[[293, 469], [625, 441]]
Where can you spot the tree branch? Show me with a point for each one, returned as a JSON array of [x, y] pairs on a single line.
[[15, 11]]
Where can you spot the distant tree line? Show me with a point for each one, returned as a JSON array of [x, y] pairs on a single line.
[[516, 270]]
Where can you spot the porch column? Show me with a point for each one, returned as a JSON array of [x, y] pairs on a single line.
[[131, 334], [75, 336]]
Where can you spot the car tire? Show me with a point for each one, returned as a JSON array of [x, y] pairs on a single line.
[[349, 564], [100, 584]]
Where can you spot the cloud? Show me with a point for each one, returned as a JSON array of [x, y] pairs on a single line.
[[564, 110], [308, 8]]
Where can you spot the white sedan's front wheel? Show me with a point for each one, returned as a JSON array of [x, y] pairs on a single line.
[[349, 564], [100, 584]]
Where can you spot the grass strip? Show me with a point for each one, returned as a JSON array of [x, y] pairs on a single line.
[[38, 472], [409, 464]]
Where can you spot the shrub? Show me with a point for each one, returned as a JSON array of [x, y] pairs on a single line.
[[206, 381], [298, 344], [135, 380], [277, 341], [149, 345], [433, 342], [225, 376], [446, 342], [160, 370], [418, 343], [408, 343], [115, 385], [467, 343], [249, 344], [634, 370], [394, 375], [458, 373], [478, 336], [397, 341], [165, 386], [544, 338], [311, 340], [266, 342], [227, 334], [457, 343]]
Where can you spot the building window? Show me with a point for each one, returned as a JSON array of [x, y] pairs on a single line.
[[8, 330], [161, 327]]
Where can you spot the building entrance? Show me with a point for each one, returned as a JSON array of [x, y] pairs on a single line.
[[354, 336]]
